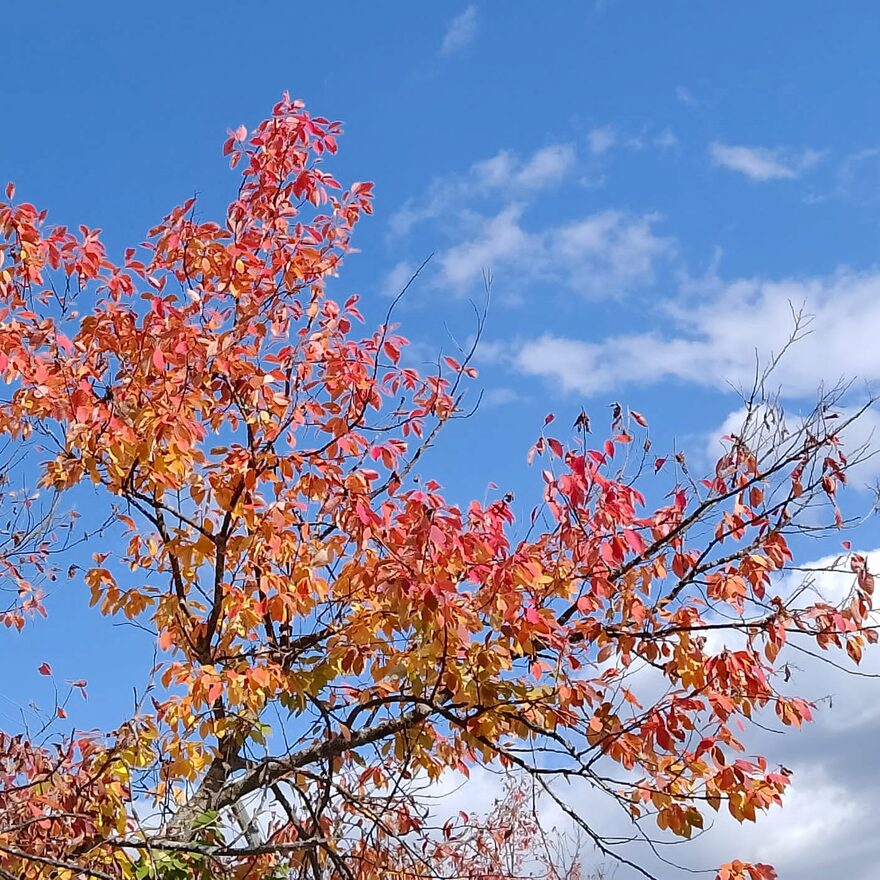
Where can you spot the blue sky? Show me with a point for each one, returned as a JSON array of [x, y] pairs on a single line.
[[650, 185]]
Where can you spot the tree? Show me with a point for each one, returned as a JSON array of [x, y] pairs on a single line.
[[334, 638]]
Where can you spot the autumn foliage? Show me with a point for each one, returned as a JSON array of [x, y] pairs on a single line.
[[333, 637]]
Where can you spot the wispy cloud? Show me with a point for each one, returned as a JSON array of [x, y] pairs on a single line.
[[486, 216], [546, 166], [599, 255], [604, 138], [505, 173], [666, 139], [859, 175], [686, 96], [461, 32], [501, 396], [601, 140], [501, 240], [763, 163], [398, 278]]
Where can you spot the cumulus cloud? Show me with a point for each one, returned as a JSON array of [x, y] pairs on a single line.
[[824, 829], [826, 825], [712, 340], [762, 163], [602, 254], [795, 839], [461, 31]]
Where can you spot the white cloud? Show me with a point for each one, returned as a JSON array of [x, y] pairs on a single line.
[[795, 839], [491, 351], [501, 240], [762, 163], [609, 250], [504, 173], [825, 827], [830, 579], [734, 425], [573, 365], [602, 254], [600, 140], [604, 138], [860, 438], [548, 165], [461, 31], [405, 218], [566, 361], [713, 339], [492, 173], [827, 818]]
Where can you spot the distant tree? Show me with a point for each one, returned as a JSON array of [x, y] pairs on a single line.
[[334, 639]]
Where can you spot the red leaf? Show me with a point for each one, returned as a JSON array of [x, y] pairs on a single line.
[[634, 541], [555, 447]]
